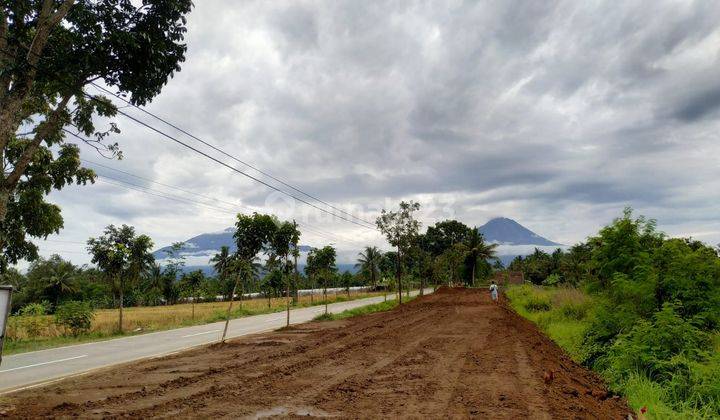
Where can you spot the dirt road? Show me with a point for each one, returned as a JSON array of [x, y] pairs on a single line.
[[451, 354]]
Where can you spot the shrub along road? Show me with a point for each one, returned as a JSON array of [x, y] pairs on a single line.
[[450, 354], [29, 368]]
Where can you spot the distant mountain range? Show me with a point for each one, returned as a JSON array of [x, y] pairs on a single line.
[[513, 240], [209, 242]]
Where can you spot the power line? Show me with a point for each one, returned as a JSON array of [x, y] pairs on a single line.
[[134, 187], [304, 225], [200, 152], [174, 139], [217, 149]]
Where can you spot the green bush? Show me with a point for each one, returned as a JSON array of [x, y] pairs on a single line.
[[75, 316], [552, 280], [662, 348], [33, 309], [538, 304], [32, 318]]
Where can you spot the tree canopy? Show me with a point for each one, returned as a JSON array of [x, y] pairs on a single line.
[[50, 51]]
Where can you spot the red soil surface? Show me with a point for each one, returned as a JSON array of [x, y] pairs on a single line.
[[453, 354]]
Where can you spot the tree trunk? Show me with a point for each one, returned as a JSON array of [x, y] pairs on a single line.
[[312, 290], [193, 308], [4, 198], [227, 318], [120, 321], [296, 295], [399, 276], [287, 294], [242, 292], [325, 295], [473, 273]]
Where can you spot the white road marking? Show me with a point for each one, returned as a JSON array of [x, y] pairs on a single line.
[[201, 333], [44, 363]]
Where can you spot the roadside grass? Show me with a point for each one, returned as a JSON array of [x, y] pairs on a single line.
[[26, 333], [562, 314], [566, 321], [363, 310]]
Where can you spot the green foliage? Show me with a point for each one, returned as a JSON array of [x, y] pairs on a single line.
[[51, 52], [33, 309], [575, 310], [75, 316], [552, 280], [32, 317], [324, 317], [369, 263], [538, 303], [654, 310], [660, 347]]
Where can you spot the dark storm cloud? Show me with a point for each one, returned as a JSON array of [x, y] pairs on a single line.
[[703, 104]]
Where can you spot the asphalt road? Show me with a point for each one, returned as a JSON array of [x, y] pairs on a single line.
[[24, 370]]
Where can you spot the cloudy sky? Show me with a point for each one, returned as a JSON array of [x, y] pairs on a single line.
[[556, 114]]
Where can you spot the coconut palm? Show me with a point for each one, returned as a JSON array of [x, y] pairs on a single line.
[[60, 282], [478, 249], [369, 263], [154, 283], [221, 263]]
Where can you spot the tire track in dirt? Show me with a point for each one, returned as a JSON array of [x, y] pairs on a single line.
[[450, 354]]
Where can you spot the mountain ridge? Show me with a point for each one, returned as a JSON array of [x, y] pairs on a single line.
[[505, 231]]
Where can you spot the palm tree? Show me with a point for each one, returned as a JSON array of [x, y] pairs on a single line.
[[477, 249], [154, 282], [369, 262], [61, 281], [221, 263]]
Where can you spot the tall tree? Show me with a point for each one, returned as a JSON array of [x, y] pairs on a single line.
[[61, 281], [252, 235], [285, 237], [399, 228], [50, 51], [221, 263], [322, 262], [174, 264], [369, 263], [191, 283], [477, 249], [154, 283], [295, 252], [443, 235], [119, 253]]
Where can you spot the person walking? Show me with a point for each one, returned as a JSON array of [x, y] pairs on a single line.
[[494, 291]]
